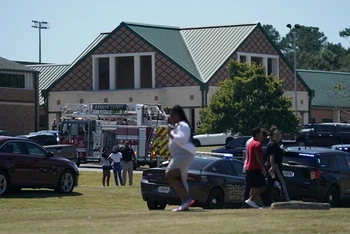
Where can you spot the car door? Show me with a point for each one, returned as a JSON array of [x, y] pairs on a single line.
[[321, 135], [18, 163], [237, 146], [44, 168], [344, 167], [233, 186]]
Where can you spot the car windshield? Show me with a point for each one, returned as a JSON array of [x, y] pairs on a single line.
[[294, 158], [199, 163]]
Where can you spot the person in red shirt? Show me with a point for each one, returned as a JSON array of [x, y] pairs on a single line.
[[255, 168]]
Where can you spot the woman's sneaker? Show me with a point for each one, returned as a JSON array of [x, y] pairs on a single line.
[[251, 203], [185, 205]]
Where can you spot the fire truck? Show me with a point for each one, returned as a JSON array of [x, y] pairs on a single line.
[[91, 127]]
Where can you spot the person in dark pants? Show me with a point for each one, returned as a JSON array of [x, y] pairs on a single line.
[[127, 162], [115, 157]]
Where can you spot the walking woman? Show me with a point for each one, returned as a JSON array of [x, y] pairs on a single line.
[[275, 156], [116, 156], [106, 167], [182, 154]]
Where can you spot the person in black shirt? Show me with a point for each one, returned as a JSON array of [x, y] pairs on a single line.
[[127, 162], [275, 159]]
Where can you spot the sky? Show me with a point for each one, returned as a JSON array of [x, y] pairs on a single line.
[[74, 24]]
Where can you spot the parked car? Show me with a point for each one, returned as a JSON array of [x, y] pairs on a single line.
[[214, 183], [212, 139], [324, 134], [345, 148], [237, 146], [55, 132], [66, 151], [42, 139], [5, 133], [26, 164], [318, 174]]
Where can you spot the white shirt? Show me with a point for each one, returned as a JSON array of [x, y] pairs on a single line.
[[105, 162], [245, 153], [181, 136], [116, 157]]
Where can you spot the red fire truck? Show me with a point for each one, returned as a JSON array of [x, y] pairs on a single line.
[[91, 127]]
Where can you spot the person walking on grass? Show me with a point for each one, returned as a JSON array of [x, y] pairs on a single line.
[[116, 157], [106, 167], [182, 154], [255, 168], [275, 156], [128, 159]]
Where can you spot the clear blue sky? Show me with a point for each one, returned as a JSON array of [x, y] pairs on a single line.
[[74, 24]]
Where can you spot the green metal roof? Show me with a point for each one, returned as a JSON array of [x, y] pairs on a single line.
[[210, 47], [200, 51], [170, 42], [324, 83], [49, 73]]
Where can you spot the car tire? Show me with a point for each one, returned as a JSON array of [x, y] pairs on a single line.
[[66, 182], [153, 205], [215, 199], [197, 143], [228, 140], [333, 196], [4, 183]]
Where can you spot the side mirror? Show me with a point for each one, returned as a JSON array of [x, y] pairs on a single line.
[[49, 154]]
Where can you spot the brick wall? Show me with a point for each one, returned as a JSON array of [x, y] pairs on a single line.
[[17, 95], [17, 119]]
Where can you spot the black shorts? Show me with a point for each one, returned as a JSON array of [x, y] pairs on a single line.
[[107, 168], [256, 178]]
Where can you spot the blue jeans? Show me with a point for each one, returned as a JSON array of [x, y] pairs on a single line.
[[117, 173]]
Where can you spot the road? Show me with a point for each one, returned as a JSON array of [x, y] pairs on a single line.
[[97, 168]]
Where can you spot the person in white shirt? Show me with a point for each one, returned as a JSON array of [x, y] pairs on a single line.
[[247, 185], [182, 154], [116, 156], [106, 167]]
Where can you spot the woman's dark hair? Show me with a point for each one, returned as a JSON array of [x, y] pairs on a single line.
[[178, 110], [272, 130], [104, 154]]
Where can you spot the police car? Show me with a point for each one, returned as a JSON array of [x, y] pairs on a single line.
[[215, 181]]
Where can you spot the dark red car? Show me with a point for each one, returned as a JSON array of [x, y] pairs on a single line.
[[26, 164]]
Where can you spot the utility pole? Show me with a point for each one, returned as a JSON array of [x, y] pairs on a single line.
[[297, 26], [40, 25]]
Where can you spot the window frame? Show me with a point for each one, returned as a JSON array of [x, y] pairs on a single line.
[[264, 57], [112, 69]]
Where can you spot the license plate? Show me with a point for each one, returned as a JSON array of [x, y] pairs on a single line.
[[162, 189], [288, 174]]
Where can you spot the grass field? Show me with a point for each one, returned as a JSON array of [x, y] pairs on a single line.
[[96, 209]]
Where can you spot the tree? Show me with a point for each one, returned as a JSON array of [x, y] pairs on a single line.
[[246, 100], [345, 33], [273, 33]]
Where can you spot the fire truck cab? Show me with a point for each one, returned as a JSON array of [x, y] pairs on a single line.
[[91, 127]]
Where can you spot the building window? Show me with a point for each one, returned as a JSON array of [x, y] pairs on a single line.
[[105, 100], [301, 102], [12, 80], [58, 102], [130, 99], [81, 100], [123, 71], [191, 97], [270, 62], [103, 69], [155, 98]]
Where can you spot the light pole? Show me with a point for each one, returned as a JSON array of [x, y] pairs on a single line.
[[40, 25], [297, 26]]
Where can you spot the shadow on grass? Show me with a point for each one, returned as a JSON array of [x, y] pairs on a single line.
[[38, 193]]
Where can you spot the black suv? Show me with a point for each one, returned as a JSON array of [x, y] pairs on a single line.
[[237, 146], [317, 174], [324, 134]]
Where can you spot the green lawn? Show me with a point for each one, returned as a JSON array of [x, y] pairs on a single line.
[[96, 209]]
